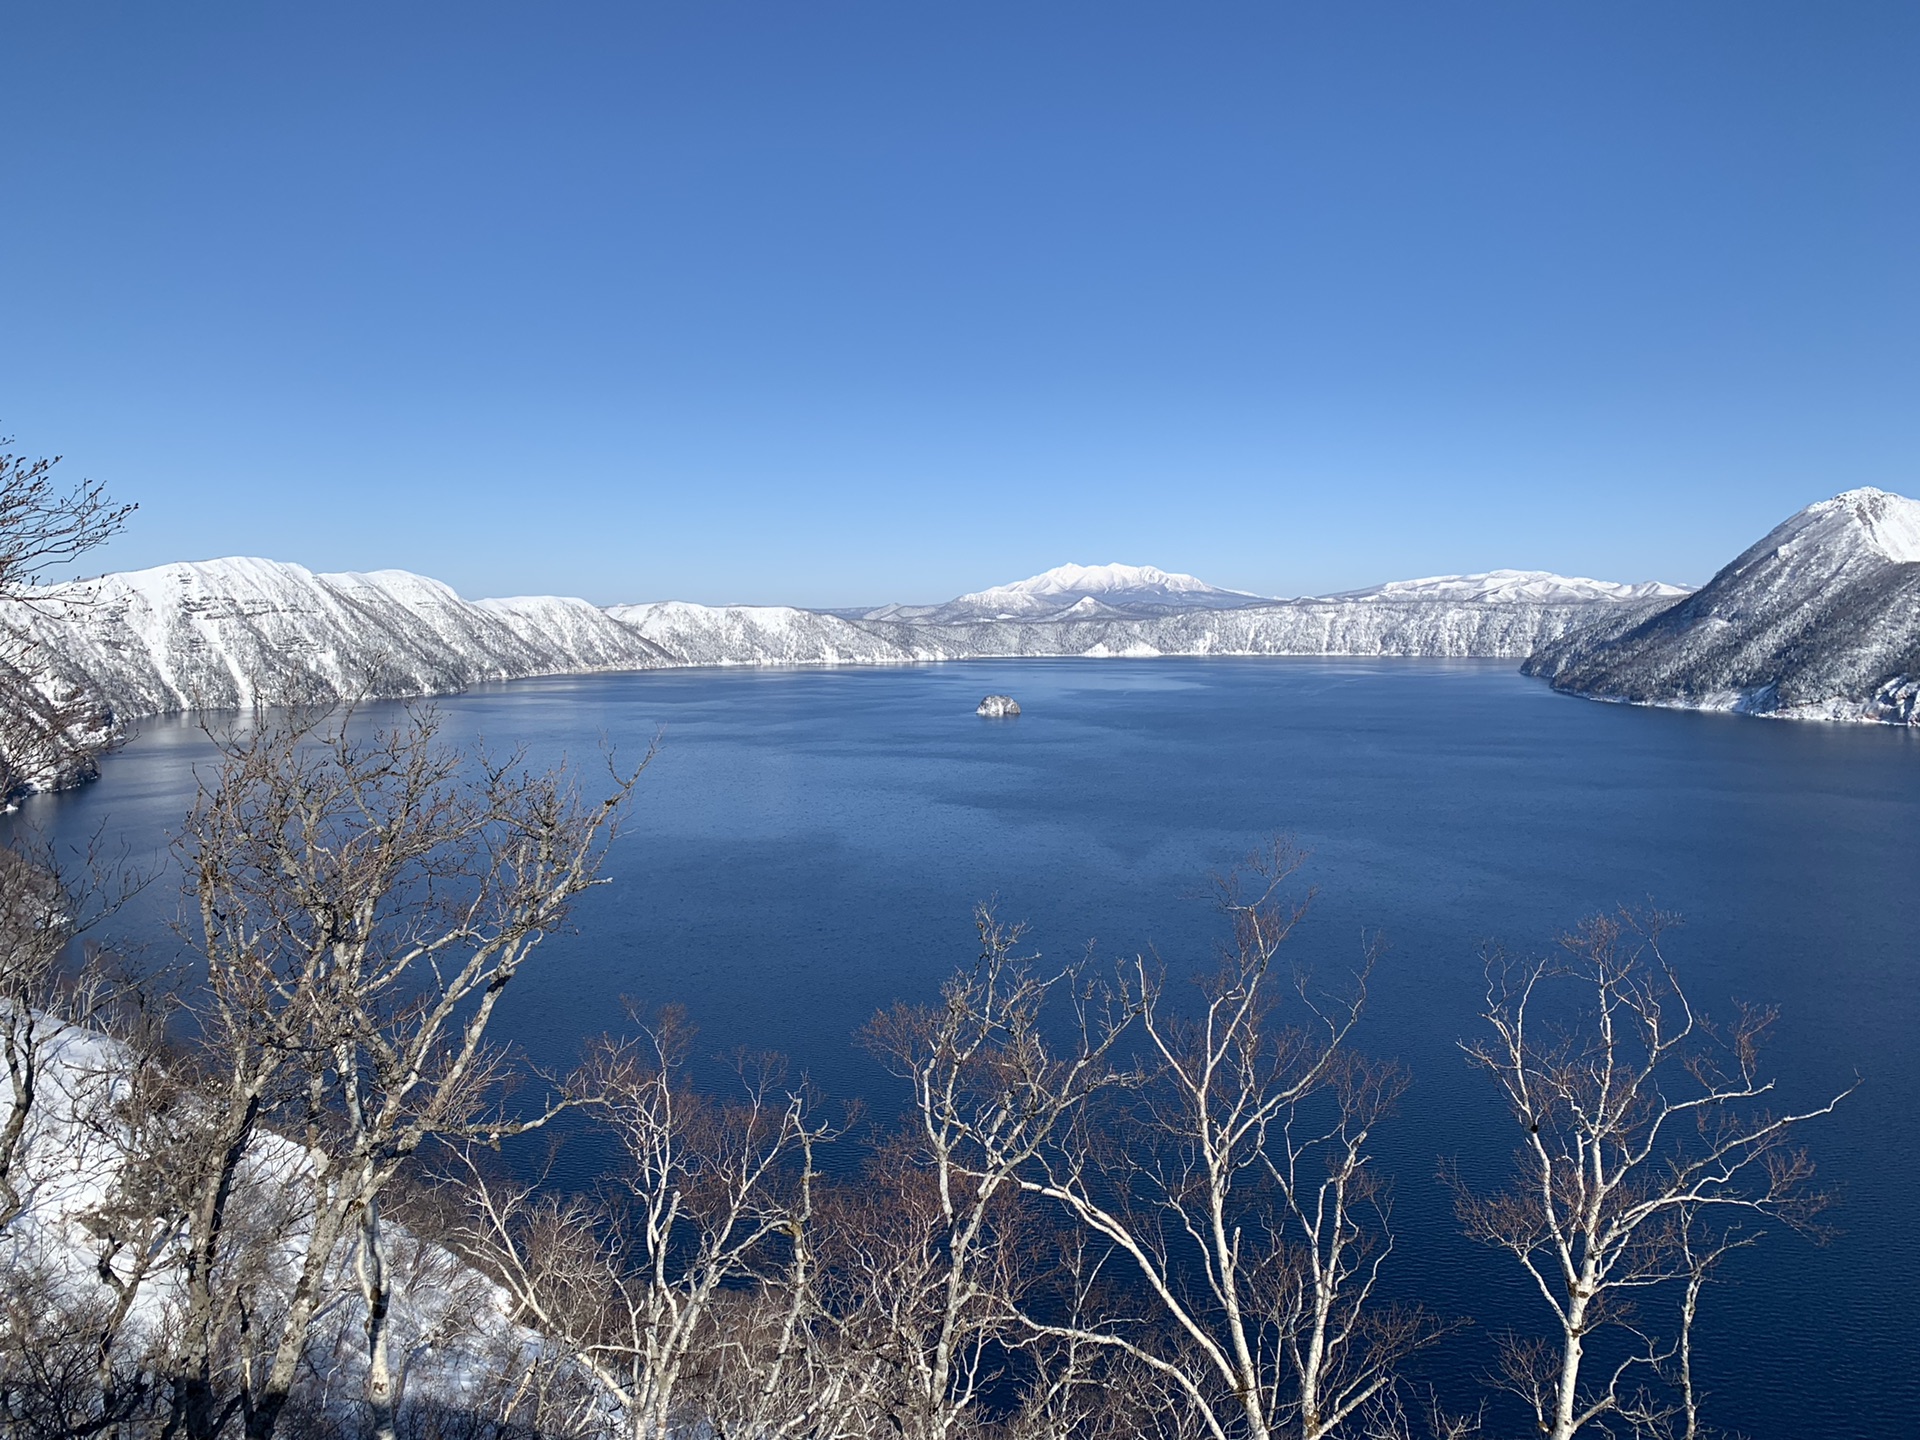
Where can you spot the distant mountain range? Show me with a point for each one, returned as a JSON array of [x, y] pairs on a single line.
[[1083, 592], [1821, 618], [1538, 587], [1087, 592]]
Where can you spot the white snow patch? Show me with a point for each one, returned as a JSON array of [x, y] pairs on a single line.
[[1887, 522]]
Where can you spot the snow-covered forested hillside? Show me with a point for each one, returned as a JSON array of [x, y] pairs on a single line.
[[1819, 620], [767, 635], [1432, 629], [221, 634]]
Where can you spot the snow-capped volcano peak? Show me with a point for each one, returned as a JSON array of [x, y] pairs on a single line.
[[1879, 519], [1102, 580], [1115, 585]]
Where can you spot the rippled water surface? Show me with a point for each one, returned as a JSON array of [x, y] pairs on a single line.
[[810, 843]]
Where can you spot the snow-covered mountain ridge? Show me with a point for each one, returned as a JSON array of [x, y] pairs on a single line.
[[1819, 620], [1096, 591], [1508, 586], [223, 634]]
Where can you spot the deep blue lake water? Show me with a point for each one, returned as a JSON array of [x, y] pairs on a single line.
[[809, 845]]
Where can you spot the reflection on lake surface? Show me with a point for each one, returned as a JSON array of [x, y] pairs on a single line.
[[809, 845]]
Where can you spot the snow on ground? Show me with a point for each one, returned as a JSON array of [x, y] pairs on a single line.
[[450, 1322]]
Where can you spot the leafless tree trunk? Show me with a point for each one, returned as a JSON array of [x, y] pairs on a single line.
[[50, 733], [990, 1093], [70, 1365], [46, 989], [45, 734], [70, 1027], [35, 931], [706, 1200], [1646, 1144], [364, 904], [1241, 1198]]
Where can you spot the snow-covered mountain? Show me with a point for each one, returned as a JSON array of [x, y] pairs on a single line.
[[1084, 591], [221, 634], [1540, 587], [767, 635], [1820, 619], [1435, 629]]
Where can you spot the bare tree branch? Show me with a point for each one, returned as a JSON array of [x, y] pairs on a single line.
[[1647, 1145]]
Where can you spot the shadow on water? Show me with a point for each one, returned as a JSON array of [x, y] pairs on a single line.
[[810, 843]]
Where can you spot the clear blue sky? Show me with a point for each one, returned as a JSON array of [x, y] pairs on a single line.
[[830, 303]]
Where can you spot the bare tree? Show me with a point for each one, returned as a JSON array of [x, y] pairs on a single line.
[[71, 1363], [71, 1031], [46, 735], [58, 1381], [364, 902], [36, 930], [53, 979], [710, 1199], [51, 732], [1240, 1198], [1647, 1146], [990, 1094]]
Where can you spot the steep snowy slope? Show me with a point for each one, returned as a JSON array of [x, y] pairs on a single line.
[[449, 1321], [221, 634], [1821, 619], [1540, 587], [1285, 627], [766, 635], [756, 635]]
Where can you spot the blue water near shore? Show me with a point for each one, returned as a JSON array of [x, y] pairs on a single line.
[[809, 846]]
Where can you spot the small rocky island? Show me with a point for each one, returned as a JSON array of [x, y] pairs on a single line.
[[998, 707]]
